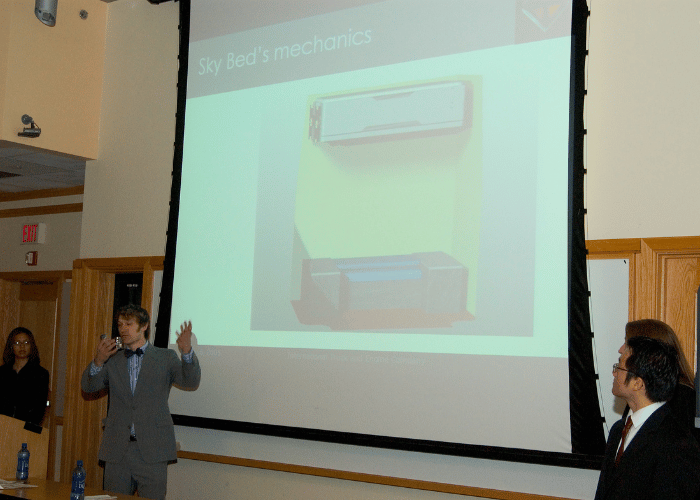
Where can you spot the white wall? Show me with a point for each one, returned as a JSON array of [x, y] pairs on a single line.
[[643, 119], [643, 124], [127, 190]]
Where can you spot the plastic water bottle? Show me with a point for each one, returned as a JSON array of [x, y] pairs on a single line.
[[77, 486], [23, 464]]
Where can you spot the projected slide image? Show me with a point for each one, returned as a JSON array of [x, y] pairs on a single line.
[[401, 291], [445, 161], [382, 167]]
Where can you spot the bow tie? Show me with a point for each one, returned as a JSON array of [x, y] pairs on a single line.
[[128, 352]]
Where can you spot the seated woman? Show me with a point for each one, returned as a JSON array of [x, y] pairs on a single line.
[[24, 384]]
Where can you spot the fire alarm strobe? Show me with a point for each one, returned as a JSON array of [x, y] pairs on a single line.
[[30, 258]]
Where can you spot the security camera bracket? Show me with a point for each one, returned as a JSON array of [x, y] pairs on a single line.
[[30, 132]]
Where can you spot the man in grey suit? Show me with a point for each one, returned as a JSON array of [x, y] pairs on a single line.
[[139, 439]]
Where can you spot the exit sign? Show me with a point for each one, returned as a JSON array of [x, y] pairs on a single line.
[[34, 233]]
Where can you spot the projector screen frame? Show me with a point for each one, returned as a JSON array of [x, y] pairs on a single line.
[[587, 431]]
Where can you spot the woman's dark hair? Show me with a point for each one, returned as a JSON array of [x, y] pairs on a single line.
[[8, 355]]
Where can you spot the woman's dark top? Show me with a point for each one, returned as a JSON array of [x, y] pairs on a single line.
[[23, 395]]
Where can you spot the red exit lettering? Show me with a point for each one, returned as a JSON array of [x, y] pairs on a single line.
[[29, 233]]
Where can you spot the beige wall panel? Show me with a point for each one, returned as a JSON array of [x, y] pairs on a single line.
[[53, 74], [127, 190], [642, 119], [4, 44], [58, 253]]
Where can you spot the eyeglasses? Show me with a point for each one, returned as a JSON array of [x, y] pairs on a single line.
[[617, 367], [21, 342]]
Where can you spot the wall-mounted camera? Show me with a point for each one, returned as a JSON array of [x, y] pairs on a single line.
[[45, 11], [32, 131]]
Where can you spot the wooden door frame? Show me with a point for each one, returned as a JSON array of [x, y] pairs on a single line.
[[92, 298]]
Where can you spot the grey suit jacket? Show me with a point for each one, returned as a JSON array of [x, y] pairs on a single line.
[[147, 408]]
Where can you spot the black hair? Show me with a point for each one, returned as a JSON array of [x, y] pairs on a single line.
[[8, 355], [656, 363], [656, 329]]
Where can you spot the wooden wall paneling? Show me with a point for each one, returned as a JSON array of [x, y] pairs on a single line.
[[38, 290], [12, 435], [38, 313], [676, 266], [92, 295], [678, 298], [147, 289], [646, 285], [664, 279], [635, 295], [51, 419], [9, 308], [631, 287], [613, 248], [650, 283], [123, 264]]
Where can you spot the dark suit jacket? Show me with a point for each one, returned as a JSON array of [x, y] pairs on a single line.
[[682, 406], [662, 462], [147, 408]]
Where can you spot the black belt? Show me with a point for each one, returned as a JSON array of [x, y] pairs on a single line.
[[132, 438]]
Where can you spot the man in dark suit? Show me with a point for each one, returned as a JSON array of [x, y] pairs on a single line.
[[657, 457], [139, 439]]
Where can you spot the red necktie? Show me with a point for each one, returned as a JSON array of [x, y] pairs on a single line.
[[625, 430]]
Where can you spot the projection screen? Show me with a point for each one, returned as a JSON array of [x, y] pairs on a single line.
[[371, 233]]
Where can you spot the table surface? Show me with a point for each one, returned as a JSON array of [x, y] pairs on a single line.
[[51, 490]]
